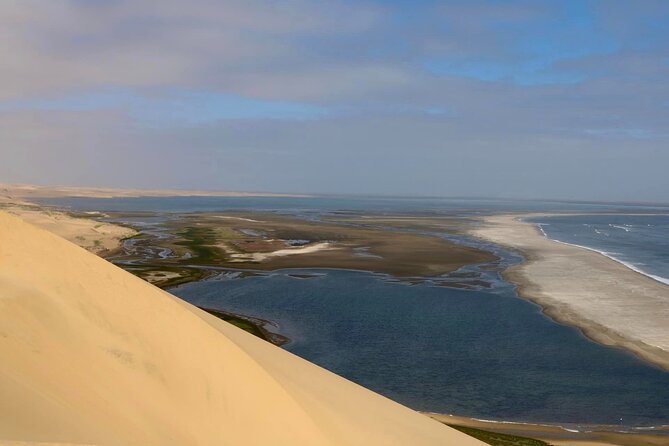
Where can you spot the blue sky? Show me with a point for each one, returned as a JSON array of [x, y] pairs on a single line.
[[558, 99]]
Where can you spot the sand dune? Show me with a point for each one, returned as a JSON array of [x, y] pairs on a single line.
[[93, 235], [91, 354], [27, 191]]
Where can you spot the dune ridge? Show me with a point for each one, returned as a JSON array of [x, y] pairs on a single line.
[[94, 355]]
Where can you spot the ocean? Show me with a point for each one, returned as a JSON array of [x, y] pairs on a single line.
[[641, 242], [325, 204], [482, 352]]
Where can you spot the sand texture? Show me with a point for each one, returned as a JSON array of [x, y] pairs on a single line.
[[609, 302], [96, 236], [94, 355]]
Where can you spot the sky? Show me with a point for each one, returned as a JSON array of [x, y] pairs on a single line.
[[499, 98]]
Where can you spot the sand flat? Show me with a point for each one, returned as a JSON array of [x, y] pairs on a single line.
[[261, 256], [608, 301], [94, 355]]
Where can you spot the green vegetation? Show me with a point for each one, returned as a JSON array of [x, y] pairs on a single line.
[[187, 275], [496, 439], [241, 322], [201, 241]]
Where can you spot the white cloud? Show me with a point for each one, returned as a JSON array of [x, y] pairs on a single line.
[[360, 62], [64, 45]]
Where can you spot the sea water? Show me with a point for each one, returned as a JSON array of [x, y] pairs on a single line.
[[641, 242]]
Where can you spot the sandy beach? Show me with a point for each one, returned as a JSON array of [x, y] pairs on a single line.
[[608, 301], [131, 364]]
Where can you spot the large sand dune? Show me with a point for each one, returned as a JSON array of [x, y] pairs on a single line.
[[90, 354]]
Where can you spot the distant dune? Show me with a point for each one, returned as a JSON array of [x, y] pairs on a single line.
[[91, 354], [14, 192]]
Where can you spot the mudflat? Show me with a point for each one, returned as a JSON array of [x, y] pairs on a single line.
[[267, 241]]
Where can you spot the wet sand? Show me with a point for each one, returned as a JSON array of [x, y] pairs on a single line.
[[609, 302]]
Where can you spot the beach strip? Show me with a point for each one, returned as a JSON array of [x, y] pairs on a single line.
[[609, 302], [556, 435]]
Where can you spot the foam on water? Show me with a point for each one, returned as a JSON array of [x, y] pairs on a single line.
[[630, 248]]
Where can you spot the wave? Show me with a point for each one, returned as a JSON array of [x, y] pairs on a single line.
[[541, 228], [610, 255], [626, 228]]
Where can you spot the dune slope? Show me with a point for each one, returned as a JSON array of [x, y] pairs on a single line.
[[90, 354]]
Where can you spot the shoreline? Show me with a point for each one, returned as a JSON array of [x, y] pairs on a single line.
[[584, 288], [629, 265], [562, 435], [254, 325]]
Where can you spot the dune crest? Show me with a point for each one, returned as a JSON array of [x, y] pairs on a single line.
[[93, 355]]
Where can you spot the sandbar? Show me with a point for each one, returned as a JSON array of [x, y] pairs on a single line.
[[609, 302]]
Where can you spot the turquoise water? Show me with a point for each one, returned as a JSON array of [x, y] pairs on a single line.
[[482, 352]]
